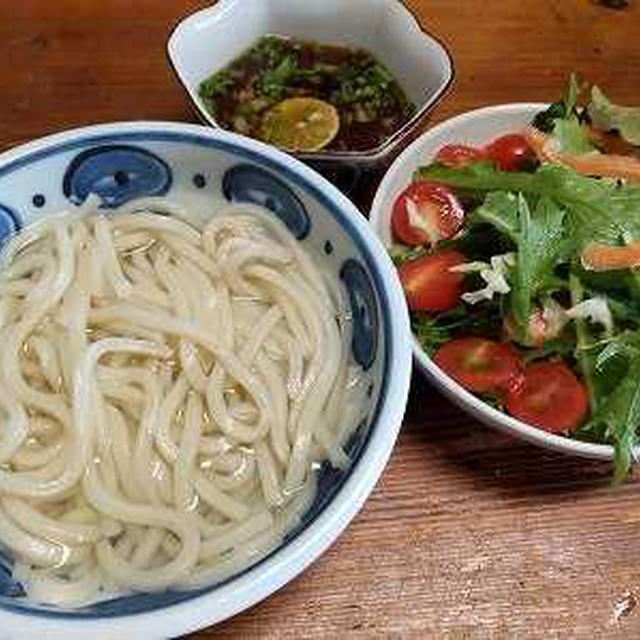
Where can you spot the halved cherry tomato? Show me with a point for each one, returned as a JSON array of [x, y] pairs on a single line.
[[548, 396], [458, 155], [479, 364], [428, 283], [510, 152], [426, 212]]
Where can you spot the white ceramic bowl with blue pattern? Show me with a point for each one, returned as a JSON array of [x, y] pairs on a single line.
[[197, 167]]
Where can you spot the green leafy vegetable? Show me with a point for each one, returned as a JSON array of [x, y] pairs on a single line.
[[620, 413], [564, 122], [216, 85], [541, 244], [596, 209], [480, 238], [544, 121], [547, 350], [572, 136], [366, 82], [481, 176], [500, 209], [584, 356], [608, 116], [430, 332], [274, 81], [268, 51], [571, 95]]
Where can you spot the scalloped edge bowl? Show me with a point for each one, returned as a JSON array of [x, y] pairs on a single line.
[[210, 38]]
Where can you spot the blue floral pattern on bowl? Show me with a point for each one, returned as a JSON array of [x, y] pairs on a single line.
[[9, 222], [249, 183], [117, 173], [364, 311]]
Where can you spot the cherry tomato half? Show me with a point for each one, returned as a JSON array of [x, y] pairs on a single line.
[[458, 155], [428, 284], [510, 153], [479, 364], [426, 212], [548, 396]]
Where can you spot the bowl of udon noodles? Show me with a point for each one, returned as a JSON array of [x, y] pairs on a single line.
[[204, 365]]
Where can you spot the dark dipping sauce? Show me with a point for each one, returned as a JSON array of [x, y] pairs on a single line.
[[371, 104]]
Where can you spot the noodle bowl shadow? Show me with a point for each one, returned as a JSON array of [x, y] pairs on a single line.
[[199, 168]]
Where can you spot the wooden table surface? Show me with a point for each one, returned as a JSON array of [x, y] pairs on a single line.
[[468, 534]]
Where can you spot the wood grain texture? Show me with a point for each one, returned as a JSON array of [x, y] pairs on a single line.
[[469, 534]]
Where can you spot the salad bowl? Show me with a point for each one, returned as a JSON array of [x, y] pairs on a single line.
[[475, 128]]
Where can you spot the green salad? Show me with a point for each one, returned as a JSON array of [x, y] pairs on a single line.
[[520, 262]]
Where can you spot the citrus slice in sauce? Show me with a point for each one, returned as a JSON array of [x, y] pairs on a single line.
[[301, 124]]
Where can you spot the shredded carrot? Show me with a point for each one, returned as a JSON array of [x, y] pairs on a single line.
[[602, 164], [592, 164], [603, 257]]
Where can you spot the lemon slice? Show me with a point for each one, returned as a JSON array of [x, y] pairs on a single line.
[[301, 124]]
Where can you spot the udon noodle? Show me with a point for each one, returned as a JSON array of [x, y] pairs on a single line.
[[167, 391]]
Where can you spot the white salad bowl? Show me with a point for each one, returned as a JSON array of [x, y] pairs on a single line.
[[476, 127], [209, 39], [198, 168]]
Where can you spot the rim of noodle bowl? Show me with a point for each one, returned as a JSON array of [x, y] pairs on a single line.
[[478, 126]]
